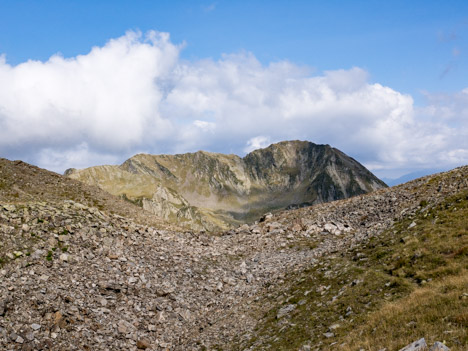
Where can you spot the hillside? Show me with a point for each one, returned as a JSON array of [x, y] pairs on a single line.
[[208, 190], [21, 182], [370, 272]]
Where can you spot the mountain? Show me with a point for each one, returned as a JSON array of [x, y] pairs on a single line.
[[413, 175], [375, 271], [210, 190]]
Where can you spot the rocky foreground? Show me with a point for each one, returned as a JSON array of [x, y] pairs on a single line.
[[75, 277]]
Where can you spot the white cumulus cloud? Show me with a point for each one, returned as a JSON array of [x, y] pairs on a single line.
[[107, 99], [136, 94], [257, 142]]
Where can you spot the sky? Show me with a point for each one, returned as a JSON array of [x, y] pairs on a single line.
[[84, 83]]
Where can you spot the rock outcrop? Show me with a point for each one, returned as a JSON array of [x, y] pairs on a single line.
[[208, 191], [420, 345]]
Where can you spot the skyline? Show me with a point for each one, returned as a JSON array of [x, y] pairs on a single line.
[[84, 84]]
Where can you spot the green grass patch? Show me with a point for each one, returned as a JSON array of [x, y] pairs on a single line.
[[50, 255]]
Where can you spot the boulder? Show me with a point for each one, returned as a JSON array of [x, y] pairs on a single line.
[[419, 345]]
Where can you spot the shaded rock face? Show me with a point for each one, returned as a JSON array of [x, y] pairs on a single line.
[[208, 190]]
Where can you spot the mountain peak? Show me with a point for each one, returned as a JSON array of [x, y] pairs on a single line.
[[209, 190]]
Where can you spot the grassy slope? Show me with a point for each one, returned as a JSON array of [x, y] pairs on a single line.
[[405, 284], [22, 183]]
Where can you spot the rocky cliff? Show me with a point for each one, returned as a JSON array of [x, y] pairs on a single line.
[[209, 190]]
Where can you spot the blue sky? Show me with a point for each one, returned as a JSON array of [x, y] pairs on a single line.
[[418, 49], [407, 45]]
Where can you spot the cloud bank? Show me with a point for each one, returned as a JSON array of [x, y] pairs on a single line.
[[135, 94]]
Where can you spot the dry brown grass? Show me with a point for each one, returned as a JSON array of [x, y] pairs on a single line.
[[439, 312]]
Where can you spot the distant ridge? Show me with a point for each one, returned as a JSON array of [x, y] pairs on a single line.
[[413, 175], [210, 190]]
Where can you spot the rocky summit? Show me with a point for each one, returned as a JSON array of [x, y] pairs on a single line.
[[379, 271], [210, 191]]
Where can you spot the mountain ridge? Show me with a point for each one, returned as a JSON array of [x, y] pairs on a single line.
[[210, 190]]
